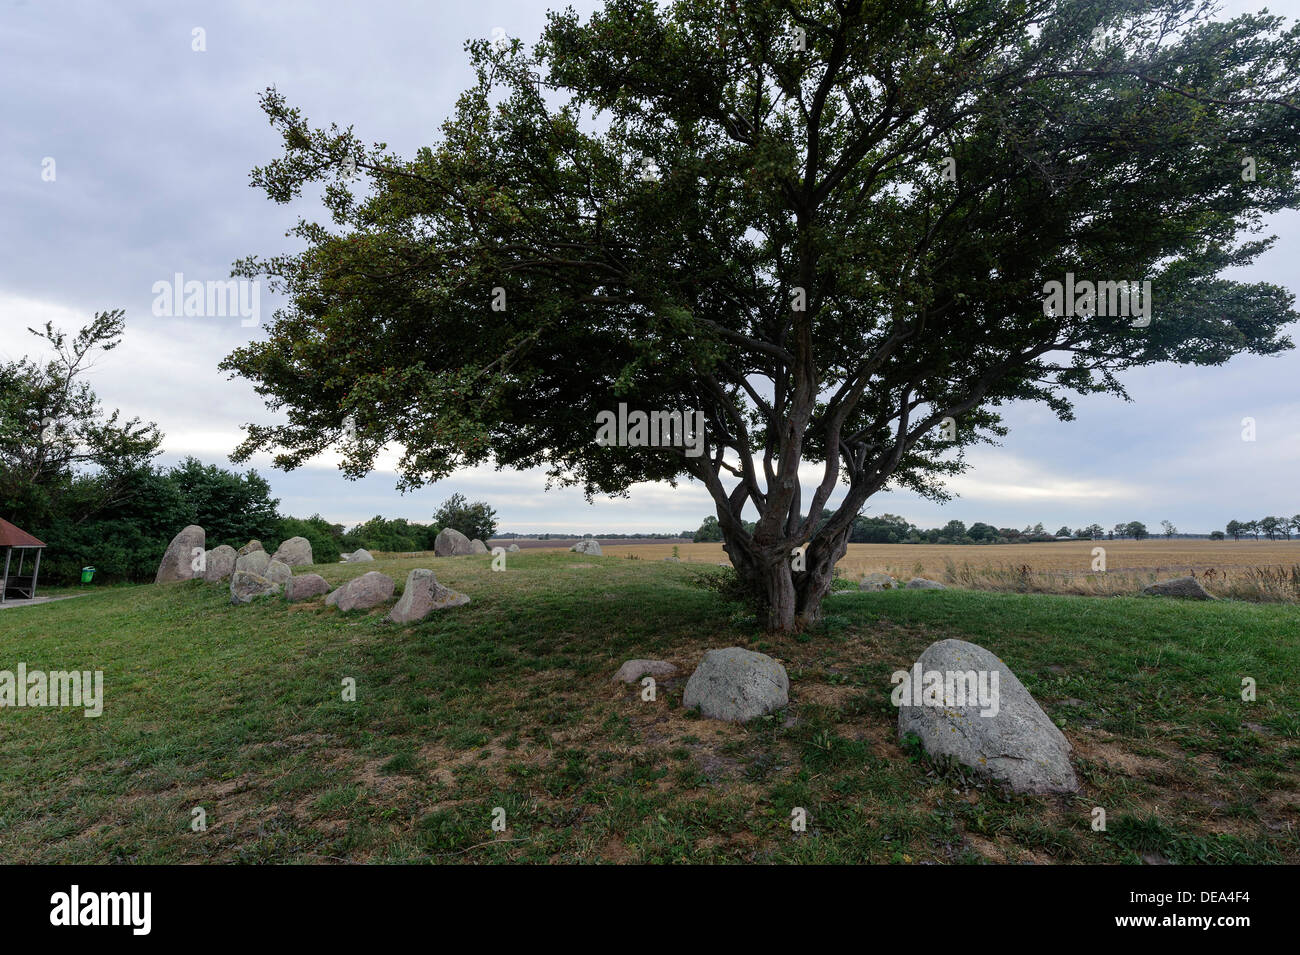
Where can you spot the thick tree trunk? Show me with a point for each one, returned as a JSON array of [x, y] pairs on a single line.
[[787, 588], [820, 559], [768, 578], [779, 603]]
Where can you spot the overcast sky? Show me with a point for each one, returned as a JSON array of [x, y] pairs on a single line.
[[152, 143]]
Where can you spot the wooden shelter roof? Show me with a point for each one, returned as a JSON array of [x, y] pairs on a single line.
[[11, 536]]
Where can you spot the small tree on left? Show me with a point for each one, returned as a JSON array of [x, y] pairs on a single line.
[[55, 437]]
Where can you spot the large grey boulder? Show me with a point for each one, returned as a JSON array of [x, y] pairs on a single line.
[[178, 561], [423, 595], [219, 563], [278, 572], [451, 543], [633, 670], [877, 582], [296, 552], [360, 555], [1188, 588], [254, 562], [477, 547], [249, 548], [512, 549], [362, 593], [1005, 736], [737, 684], [588, 547], [305, 586], [920, 583], [245, 587]]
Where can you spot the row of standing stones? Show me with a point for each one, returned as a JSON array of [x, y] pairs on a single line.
[[1017, 745], [253, 574]]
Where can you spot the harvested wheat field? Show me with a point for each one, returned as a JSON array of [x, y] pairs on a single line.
[[1249, 570]]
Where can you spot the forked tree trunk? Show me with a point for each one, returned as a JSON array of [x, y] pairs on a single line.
[[787, 586], [823, 553]]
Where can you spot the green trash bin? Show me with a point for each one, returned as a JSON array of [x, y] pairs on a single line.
[[87, 574]]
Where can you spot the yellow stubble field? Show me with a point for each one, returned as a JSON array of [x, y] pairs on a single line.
[[1249, 569]]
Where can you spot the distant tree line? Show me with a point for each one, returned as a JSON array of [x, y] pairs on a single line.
[[515, 535], [892, 529], [1271, 527]]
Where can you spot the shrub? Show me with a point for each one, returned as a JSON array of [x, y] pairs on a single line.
[[475, 520]]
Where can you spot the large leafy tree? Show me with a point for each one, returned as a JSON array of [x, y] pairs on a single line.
[[826, 224]]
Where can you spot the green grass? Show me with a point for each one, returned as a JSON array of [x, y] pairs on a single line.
[[507, 704]]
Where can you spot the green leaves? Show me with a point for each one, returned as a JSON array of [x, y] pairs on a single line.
[[52, 427]]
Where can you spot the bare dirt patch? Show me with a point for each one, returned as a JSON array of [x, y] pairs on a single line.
[[1108, 752]]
